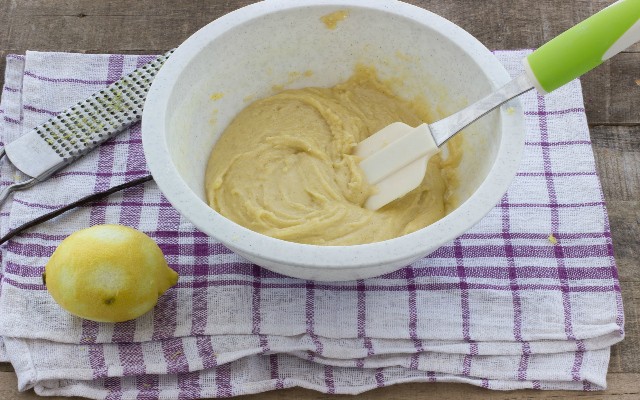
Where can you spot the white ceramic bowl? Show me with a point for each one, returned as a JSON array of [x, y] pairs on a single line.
[[242, 55]]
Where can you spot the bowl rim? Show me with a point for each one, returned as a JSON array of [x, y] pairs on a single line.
[[256, 245]]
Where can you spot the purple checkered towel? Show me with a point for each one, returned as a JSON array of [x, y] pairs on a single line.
[[500, 307]]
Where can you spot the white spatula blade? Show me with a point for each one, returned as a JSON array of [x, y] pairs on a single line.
[[410, 146], [398, 184], [395, 160], [381, 139]]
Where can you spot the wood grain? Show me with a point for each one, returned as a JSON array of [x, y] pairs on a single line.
[[138, 25], [617, 152], [611, 94], [622, 387], [625, 356], [612, 102]]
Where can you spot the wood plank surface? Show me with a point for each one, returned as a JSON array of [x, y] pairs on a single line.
[[612, 101], [624, 386]]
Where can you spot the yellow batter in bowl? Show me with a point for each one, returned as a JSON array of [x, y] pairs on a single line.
[[284, 168]]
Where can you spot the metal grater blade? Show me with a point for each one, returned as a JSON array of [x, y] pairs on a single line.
[[84, 126]]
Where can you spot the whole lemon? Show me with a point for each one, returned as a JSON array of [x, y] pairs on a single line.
[[108, 273]]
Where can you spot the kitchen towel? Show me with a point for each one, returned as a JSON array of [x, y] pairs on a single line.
[[503, 306]]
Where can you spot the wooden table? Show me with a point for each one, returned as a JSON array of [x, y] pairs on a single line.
[[612, 97]]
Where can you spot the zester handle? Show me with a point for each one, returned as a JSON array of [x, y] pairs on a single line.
[[79, 129]]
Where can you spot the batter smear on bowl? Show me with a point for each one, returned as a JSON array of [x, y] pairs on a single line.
[[284, 166]]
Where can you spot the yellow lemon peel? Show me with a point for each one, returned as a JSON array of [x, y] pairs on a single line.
[[108, 273]]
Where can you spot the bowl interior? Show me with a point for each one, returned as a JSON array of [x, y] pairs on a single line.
[[292, 47], [276, 44]]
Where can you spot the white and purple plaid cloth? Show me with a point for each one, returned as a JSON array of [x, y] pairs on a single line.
[[499, 307]]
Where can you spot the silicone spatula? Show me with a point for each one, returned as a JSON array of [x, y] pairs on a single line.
[[395, 158]]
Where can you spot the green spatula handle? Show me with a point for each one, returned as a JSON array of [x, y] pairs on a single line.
[[585, 46]]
